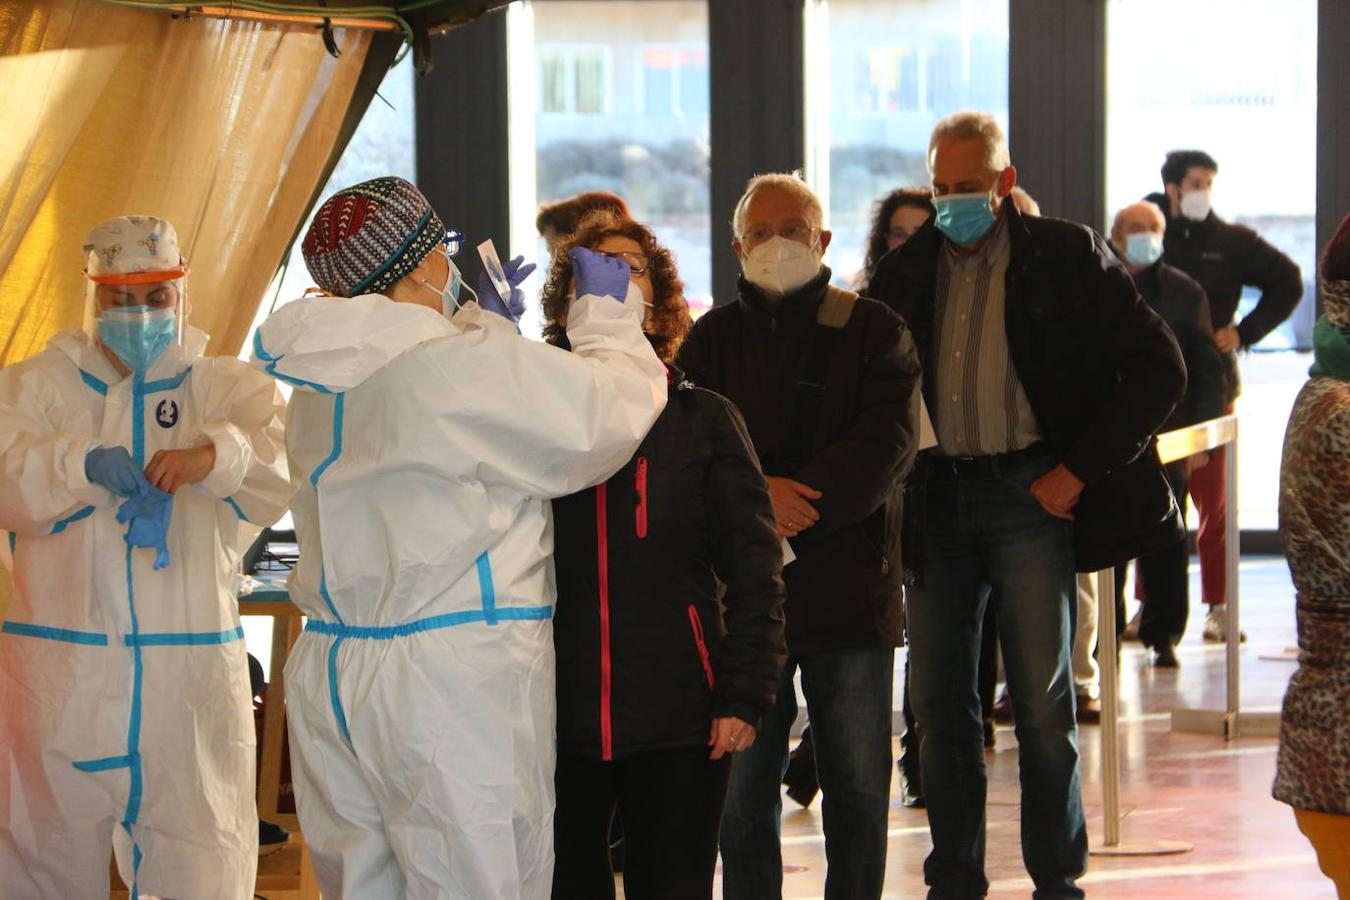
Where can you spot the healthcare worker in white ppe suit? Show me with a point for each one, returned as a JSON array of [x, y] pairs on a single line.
[[425, 439], [133, 473]]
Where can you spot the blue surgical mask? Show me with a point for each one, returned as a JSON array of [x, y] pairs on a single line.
[[139, 335], [964, 218], [454, 285], [1143, 248]]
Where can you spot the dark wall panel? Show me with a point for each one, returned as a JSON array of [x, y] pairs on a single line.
[[462, 133], [1057, 105], [757, 119]]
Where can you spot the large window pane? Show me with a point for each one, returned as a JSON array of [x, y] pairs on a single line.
[[1238, 79], [622, 106], [895, 68]]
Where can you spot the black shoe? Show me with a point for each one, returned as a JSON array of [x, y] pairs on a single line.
[[911, 782], [1003, 711], [800, 777], [271, 837], [1165, 657]]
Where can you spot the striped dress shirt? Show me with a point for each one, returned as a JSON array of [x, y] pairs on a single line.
[[980, 406]]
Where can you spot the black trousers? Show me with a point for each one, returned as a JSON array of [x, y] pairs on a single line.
[[1164, 577], [671, 804]]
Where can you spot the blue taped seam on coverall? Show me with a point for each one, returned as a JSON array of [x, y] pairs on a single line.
[[272, 367], [64, 635], [237, 511], [485, 587]]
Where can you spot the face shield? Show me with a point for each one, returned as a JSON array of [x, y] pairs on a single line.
[[135, 300]]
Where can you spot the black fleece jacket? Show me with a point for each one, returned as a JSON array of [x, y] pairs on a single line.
[[647, 652], [844, 588]]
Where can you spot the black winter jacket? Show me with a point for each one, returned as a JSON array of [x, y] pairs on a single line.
[[1225, 257], [646, 656], [1101, 371], [844, 588], [1181, 302]]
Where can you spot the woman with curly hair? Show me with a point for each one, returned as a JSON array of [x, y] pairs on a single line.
[[894, 220], [658, 682]]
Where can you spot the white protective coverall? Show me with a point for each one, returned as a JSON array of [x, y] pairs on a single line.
[[420, 698], [125, 710]]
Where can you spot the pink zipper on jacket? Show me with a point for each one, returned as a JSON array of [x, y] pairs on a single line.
[[697, 624], [606, 676], [640, 482]]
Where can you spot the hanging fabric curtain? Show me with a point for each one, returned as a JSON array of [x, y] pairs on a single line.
[[223, 127]]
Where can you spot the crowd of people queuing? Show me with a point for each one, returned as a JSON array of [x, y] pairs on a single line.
[[551, 586]]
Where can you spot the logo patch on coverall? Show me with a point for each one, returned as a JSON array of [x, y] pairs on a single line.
[[166, 414]]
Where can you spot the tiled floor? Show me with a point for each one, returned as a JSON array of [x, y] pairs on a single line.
[[1193, 788]]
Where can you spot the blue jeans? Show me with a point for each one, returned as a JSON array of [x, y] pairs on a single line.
[[987, 540], [848, 699]]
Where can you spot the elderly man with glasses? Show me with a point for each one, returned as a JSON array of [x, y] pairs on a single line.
[[829, 386]]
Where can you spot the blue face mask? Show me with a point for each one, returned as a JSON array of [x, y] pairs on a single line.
[[139, 335], [454, 285], [964, 218], [1143, 248]]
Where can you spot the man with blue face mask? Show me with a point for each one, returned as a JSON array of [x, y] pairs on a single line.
[[427, 437], [1137, 235], [134, 471], [1046, 376], [828, 384]]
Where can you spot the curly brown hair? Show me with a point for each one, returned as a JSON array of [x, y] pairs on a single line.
[[667, 321]]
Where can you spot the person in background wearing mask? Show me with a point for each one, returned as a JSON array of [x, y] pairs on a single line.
[[895, 218], [426, 437], [1046, 376], [1224, 258], [1137, 235], [670, 614], [829, 386], [134, 472]]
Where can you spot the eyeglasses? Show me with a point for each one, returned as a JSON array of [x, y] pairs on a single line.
[[800, 232], [638, 263], [452, 243]]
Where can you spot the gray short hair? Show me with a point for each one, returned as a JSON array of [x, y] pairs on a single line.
[[969, 125], [789, 182]]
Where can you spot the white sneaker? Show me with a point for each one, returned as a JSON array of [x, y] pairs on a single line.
[[1216, 625], [1131, 632]]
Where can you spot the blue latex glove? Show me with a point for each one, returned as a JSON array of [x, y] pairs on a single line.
[[114, 469], [595, 273], [516, 272], [148, 512]]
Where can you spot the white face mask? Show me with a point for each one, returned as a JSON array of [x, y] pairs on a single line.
[[780, 266], [1195, 205]]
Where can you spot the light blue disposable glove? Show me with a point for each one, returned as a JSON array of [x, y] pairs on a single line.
[[114, 469], [516, 272], [148, 512], [595, 273]]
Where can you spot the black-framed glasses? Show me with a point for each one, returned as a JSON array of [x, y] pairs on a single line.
[[637, 262]]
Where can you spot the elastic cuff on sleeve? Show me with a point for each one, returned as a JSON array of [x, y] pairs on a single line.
[[233, 454]]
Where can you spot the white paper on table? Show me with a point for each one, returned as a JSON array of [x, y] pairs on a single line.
[[927, 435], [788, 555]]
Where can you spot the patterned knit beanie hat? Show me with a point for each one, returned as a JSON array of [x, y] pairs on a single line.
[[366, 237]]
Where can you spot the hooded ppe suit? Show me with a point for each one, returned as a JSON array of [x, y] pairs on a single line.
[[125, 711], [423, 454]]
